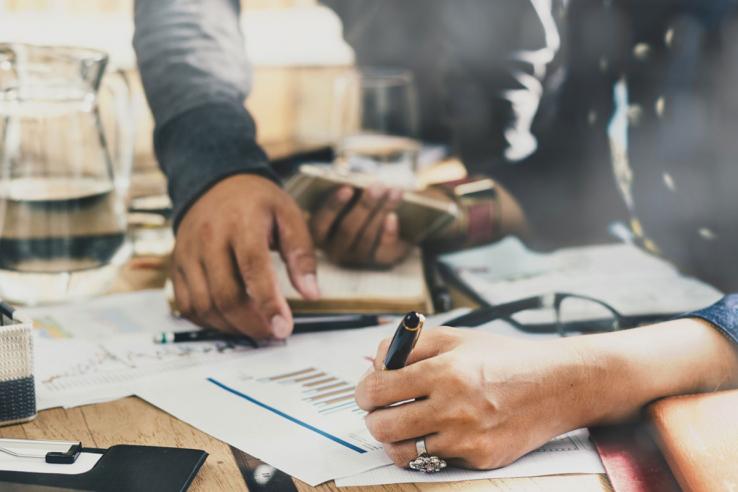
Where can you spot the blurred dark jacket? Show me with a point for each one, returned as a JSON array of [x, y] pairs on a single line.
[[497, 84], [647, 87], [678, 72]]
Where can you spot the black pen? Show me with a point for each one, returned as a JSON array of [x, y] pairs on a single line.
[[303, 324], [405, 338], [327, 322], [206, 335]]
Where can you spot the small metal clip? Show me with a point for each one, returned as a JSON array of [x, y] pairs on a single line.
[[56, 452]]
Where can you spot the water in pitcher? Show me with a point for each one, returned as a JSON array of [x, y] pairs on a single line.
[[61, 238], [62, 212]]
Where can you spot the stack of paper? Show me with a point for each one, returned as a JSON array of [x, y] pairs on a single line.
[[291, 405], [570, 453], [300, 397], [101, 350]]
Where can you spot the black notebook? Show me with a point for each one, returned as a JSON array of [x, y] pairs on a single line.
[[122, 468]]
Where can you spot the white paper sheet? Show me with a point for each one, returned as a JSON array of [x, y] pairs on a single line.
[[571, 453], [76, 372], [267, 391], [101, 349], [263, 406], [145, 311], [280, 421]]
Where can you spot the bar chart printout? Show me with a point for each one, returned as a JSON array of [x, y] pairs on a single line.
[[295, 411], [310, 397]]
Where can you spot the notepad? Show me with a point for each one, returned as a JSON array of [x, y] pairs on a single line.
[[399, 289]]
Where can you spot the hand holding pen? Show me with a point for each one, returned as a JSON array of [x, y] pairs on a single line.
[[402, 343], [473, 398]]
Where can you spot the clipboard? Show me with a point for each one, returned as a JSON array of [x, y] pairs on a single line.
[[121, 468]]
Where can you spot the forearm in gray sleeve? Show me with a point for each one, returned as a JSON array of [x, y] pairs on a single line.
[[190, 52], [194, 70]]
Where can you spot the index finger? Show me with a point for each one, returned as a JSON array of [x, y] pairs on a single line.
[[296, 250], [255, 265], [382, 388], [431, 343]]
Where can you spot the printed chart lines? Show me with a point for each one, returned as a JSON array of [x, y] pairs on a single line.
[[326, 393], [314, 398], [284, 415]]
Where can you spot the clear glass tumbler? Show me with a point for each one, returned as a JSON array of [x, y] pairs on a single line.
[[376, 115]]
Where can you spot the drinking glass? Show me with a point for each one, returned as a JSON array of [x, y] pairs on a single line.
[[376, 115], [64, 170]]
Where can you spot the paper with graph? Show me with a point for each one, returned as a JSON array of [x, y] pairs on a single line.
[[297, 415], [293, 407], [101, 318], [313, 398], [79, 372], [101, 349], [290, 405]]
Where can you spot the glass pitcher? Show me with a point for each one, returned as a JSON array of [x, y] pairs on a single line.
[[64, 171]]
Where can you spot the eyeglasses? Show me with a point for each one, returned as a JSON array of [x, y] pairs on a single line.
[[572, 314]]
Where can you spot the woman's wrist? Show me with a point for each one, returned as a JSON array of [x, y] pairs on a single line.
[[587, 372], [629, 369]]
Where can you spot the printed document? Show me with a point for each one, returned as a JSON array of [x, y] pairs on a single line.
[[69, 373], [101, 349], [570, 453], [290, 405], [293, 407]]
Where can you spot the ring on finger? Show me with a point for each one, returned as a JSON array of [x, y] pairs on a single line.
[[426, 462]]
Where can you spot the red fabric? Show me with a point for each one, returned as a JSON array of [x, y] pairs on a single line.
[[632, 459]]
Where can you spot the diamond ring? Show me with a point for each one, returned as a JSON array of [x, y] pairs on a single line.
[[425, 462]]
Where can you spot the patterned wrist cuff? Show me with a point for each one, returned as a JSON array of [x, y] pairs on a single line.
[[478, 200]]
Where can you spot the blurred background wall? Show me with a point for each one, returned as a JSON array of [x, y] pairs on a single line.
[[125, 5]]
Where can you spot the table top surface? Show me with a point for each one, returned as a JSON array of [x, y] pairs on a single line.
[[134, 421]]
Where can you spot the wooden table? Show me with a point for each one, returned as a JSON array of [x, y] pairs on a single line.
[[133, 421]]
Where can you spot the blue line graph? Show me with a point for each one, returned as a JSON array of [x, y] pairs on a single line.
[[292, 419]]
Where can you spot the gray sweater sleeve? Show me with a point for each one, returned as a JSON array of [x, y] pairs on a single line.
[[194, 70]]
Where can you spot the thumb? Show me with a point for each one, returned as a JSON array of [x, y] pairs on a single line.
[[296, 250]]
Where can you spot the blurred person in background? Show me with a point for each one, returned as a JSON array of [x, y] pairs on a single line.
[[658, 80]]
